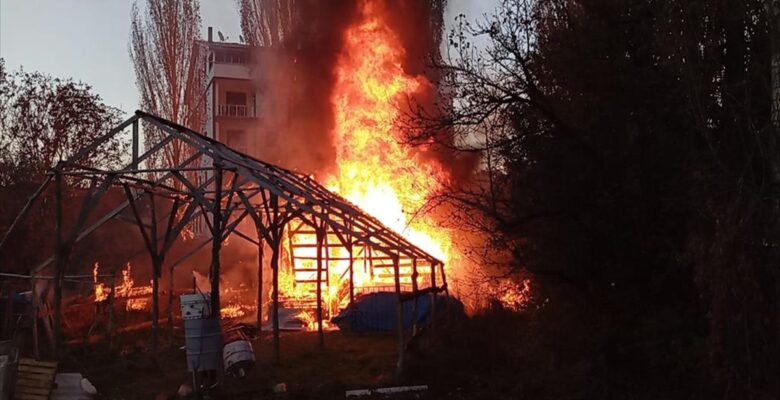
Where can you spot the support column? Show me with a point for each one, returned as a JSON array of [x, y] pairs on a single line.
[[156, 272], [320, 241], [415, 315], [59, 264], [275, 313], [171, 295], [259, 281], [351, 275], [111, 298], [432, 323], [34, 313], [400, 317], [216, 243], [155, 304]]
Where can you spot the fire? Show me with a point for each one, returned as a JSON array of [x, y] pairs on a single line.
[[376, 170], [309, 321], [101, 290], [232, 311], [514, 296], [137, 296]]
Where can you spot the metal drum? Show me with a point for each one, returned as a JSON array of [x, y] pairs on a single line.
[[239, 357]]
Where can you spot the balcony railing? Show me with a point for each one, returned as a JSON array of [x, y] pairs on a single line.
[[235, 110]]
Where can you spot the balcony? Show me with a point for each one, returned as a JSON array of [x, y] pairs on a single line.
[[229, 70], [235, 110]]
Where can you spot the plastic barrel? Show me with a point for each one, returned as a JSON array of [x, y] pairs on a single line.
[[203, 342]]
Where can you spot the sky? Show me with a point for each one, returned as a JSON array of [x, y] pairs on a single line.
[[87, 40]]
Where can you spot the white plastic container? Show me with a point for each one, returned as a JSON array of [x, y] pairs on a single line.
[[195, 306]]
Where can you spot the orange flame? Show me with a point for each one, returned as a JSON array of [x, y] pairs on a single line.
[[232, 311], [375, 170], [135, 295], [101, 290]]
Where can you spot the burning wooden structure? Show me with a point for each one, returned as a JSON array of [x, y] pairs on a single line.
[[336, 250]]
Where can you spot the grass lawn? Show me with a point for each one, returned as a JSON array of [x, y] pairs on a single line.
[[348, 361]]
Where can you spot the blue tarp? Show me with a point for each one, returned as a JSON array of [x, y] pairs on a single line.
[[376, 312]]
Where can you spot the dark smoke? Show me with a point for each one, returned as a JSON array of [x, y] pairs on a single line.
[[297, 78], [299, 48]]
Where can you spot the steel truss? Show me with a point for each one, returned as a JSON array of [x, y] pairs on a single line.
[[223, 187]]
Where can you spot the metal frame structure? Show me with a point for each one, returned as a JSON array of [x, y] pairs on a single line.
[[223, 187]]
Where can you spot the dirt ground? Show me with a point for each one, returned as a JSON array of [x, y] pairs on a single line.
[[348, 361]]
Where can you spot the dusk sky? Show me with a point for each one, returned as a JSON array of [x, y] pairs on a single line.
[[87, 40]]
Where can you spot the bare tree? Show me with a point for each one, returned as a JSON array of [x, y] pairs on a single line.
[[168, 67], [268, 23]]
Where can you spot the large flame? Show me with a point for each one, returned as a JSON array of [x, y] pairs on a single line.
[[376, 170]]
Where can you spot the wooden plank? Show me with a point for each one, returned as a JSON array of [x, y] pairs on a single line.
[[30, 361], [37, 370], [33, 390], [24, 396], [33, 382]]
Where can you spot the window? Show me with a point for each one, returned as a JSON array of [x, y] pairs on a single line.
[[230, 57]]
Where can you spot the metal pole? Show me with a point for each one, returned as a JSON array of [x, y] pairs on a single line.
[[156, 272], [320, 240], [432, 322], [34, 312], [276, 235], [59, 263], [351, 275], [171, 288], [400, 317], [155, 304], [259, 281], [275, 314], [414, 293], [111, 297], [217, 238]]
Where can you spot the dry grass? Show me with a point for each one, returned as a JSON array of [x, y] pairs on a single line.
[[348, 361]]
